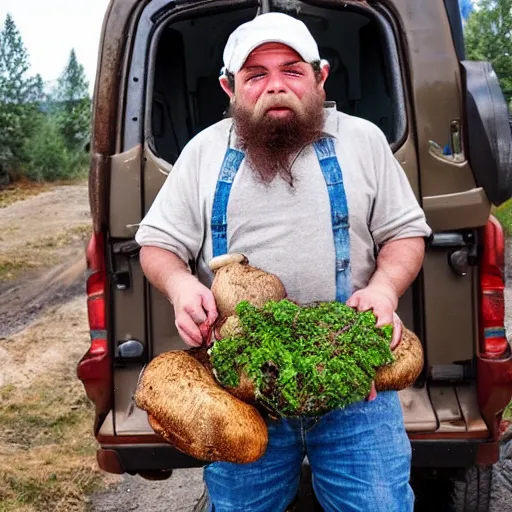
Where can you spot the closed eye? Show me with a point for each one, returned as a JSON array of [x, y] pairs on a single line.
[[255, 76], [293, 72]]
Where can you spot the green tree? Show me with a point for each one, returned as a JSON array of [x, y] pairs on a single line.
[[488, 36], [48, 157], [73, 105], [20, 96]]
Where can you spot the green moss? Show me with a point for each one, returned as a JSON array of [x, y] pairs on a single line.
[[304, 360]]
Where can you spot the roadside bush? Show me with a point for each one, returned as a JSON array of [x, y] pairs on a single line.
[[48, 157]]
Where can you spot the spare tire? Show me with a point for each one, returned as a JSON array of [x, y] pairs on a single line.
[[488, 138]]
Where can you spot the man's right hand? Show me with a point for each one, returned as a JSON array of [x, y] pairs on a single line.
[[194, 306]]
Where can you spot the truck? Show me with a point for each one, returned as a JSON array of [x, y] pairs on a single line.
[[397, 63]]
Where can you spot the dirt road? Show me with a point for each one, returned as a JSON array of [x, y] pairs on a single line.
[[47, 449], [41, 254]]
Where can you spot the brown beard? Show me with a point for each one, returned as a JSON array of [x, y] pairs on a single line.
[[270, 143]]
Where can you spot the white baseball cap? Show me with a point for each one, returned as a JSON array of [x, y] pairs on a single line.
[[272, 27]]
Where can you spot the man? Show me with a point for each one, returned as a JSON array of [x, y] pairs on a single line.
[[311, 195]]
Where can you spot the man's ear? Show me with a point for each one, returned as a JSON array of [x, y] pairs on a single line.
[[324, 73], [224, 83]]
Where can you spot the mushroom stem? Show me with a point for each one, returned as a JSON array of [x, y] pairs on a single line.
[[227, 259]]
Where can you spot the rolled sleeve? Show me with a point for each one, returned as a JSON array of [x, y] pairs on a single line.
[[174, 221], [396, 212]]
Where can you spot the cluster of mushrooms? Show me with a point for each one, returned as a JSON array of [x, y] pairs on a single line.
[[193, 412]]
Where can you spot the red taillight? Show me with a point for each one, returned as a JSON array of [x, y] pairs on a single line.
[[96, 313], [493, 341], [95, 368], [96, 283]]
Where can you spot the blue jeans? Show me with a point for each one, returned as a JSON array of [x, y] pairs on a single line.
[[360, 460]]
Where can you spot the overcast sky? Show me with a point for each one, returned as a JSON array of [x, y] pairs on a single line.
[[51, 28]]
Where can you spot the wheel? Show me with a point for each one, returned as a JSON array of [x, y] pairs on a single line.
[[472, 490], [487, 127], [448, 490]]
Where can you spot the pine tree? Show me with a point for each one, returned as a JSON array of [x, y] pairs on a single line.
[[20, 96], [488, 37], [74, 105]]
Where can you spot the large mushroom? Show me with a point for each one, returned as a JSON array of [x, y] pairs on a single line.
[[235, 280]]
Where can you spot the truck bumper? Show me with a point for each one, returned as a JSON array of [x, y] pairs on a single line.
[[133, 458]]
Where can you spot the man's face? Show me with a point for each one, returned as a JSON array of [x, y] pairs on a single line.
[[277, 108], [275, 82]]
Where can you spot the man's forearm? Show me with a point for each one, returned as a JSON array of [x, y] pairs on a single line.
[[163, 269], [398, 264]]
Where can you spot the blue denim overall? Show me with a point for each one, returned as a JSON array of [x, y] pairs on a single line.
[[360, 455]]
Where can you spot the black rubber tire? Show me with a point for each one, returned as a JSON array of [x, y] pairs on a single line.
[[472, 491], [488, 138], [452, 490]]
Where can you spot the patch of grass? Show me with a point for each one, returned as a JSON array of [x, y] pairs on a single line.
[[78, 233], [11, 269], [504, 214], [41, 252], [303, 360], [20, 190], [41, 415], [48, 450], [24, 189], [507, 413], [59, 490], [13, 265]]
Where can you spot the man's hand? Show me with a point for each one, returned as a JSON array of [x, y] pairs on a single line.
[[194, 308], [383, 303], [194, 304]]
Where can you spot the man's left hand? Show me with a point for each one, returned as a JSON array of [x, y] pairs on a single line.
[[383, 303]]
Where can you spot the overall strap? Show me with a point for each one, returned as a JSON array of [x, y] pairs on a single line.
[[333, 176], [230, 166]]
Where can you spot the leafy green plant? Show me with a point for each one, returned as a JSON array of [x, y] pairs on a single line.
[[48, 157], [304, 360], [504, 214]]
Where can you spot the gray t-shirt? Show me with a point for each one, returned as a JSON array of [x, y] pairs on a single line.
[[284, 230]]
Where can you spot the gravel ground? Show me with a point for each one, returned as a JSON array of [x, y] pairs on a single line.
[[179, 493]]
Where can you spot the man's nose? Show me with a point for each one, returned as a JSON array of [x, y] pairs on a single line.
[[276, 84]]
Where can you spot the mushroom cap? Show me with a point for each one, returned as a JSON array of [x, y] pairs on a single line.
[[227, 259], [235, 282], [407, 366]]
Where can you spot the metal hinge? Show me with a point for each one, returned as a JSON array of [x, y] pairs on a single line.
[[464, 253], [121, 278]]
